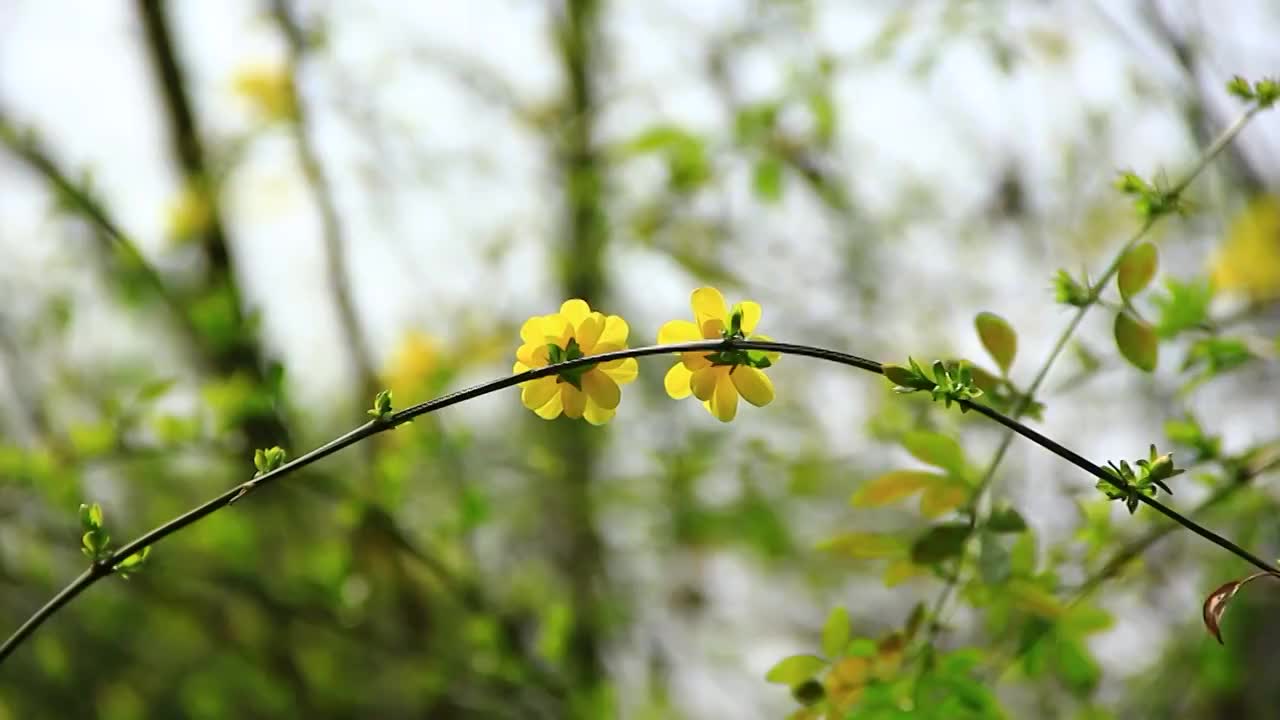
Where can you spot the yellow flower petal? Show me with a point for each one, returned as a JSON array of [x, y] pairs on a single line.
[[601, 389], [533, 355], [677, 381], [588, 331], [703, 382], [518, 368], [595, 414], [551, 410], [614, 336], [708, 304], [724, 403], [622, 370], [750, 315], [678, 331], [533, 331], [536, 393], [575, 310], [695, 360], [754, 386], [556, 330], [573, 399], [712, 329]]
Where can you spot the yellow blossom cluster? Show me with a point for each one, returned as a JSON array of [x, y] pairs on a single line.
[[717, 377]]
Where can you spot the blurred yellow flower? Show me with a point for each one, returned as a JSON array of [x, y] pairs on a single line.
[[718, 378], [588, 391], [189, 214], [269, 90], [412, 364], [1249, 260]]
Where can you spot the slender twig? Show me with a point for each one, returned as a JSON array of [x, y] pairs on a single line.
[[1095, 292], [1136, 547], [107, 565], [79, 198], [186, 138], [1124, 555]]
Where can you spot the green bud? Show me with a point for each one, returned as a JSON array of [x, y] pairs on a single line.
[[896, 374], [133, 563], [735, 321], [269, 459], [1068, 291], [90, 516], [1240, 87], [381, 405], [1267, 92]]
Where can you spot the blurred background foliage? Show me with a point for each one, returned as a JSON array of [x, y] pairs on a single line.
[[227, 225]]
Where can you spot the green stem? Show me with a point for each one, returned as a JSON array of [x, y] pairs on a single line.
[[374, 427], [1215, 148]]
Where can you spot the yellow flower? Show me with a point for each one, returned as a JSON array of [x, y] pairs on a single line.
[[190, 213], [269, 90], [588, 391], [718, 378], [409, 372], [1249, 261]]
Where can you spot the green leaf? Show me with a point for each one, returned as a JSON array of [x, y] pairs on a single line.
[[1022, 557], [1034, 599], [134, 560], [90, 516], [381, 404], [1136, 269], [835, 633], [1184, 306], [1217, 355], [824, 117], [1077, 669], [1006, 520], [688, 166], [941, 498], [1241, 88], [93, 439], [1137, 342], [1068, 291], [998, 337], [267, 460], [155, 388], [893, 486], [767, 179], [795, 669], [864, 545], [754, 123], [935, 449], [939, 543], [133, 563]]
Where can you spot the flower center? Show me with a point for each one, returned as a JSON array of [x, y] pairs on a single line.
[[573, 375]]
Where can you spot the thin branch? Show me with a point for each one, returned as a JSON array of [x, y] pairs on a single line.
[[77, 197], [1138, 546], [107, 566], [1133, 549], [1095, 293], [186, 137]]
